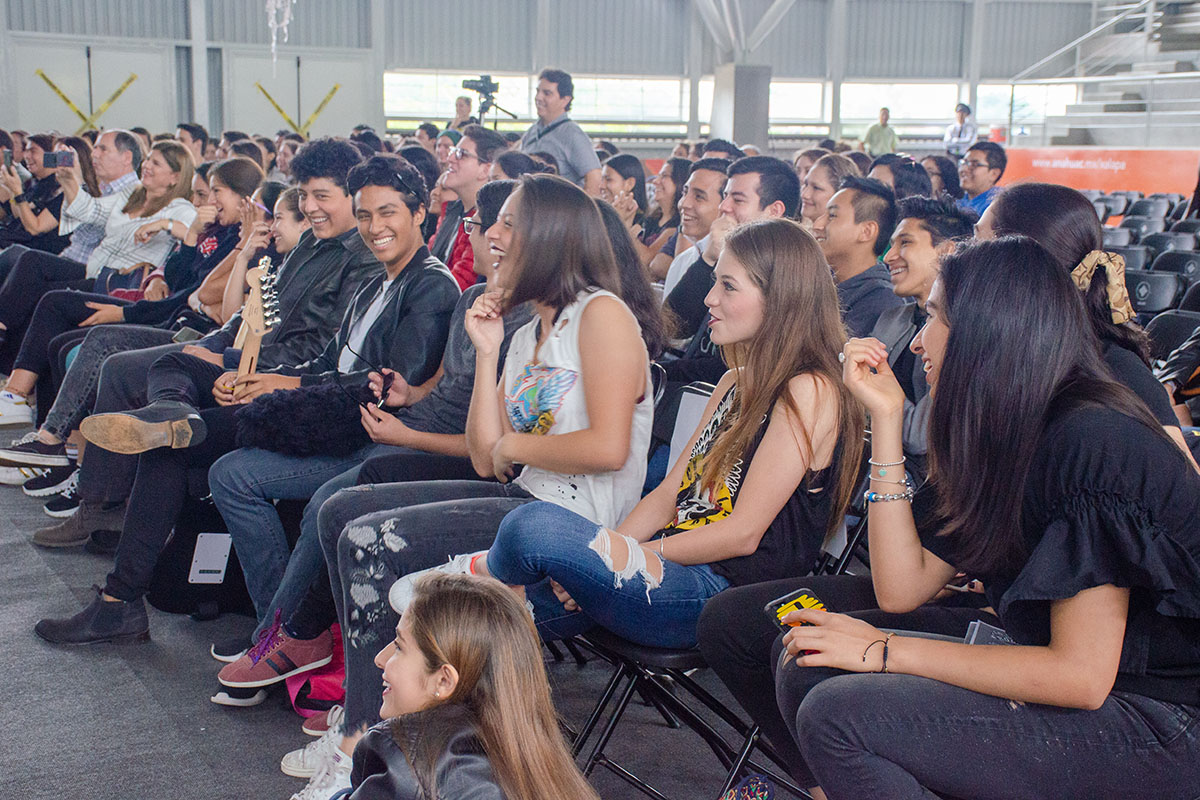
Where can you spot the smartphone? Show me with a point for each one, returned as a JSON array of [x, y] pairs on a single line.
[[59, 158], [780, 607], [8, 158], [187, 335]]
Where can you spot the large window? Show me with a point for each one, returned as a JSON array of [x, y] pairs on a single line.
[[430, 95], [1030, 103], [795, 101], [915, 101]]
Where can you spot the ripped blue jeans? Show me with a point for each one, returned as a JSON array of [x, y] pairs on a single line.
[[541, 541]]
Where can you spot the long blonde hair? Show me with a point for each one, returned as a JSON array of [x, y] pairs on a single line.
[[801, 332], [179, 159], [478, 626]]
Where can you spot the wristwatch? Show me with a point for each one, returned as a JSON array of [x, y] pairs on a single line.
[[23, 197]]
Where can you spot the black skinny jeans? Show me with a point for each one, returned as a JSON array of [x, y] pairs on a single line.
[[27, 275], [742, 644], [161, 483]]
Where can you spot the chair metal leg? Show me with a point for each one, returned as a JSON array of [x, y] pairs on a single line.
[[573, 649], [611, 725], [554, 651], [586, 731]]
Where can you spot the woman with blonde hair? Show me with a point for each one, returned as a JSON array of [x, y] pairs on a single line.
[[766, 476], [820, 184], [466, 704]]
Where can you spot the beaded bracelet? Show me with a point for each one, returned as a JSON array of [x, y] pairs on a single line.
[[876, 497]]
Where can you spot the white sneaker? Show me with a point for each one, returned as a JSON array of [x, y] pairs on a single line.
[[309, 760], [401, 593], [14, 409], [16, 476], [334, 777]]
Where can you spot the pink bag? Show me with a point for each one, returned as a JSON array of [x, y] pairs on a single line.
[[317, 691]]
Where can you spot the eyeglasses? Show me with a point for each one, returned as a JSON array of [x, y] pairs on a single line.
[[388, 379], [973, 164], [458, 152], [472, 225], [405, 185], [267, 215]]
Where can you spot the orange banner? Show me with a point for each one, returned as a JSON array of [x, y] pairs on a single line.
[[1147, 171]]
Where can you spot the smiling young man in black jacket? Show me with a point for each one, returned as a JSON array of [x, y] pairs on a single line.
[[401, 318]]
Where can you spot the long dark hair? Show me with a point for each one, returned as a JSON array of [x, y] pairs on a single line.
[[83, 155], [635, 286], [1064, 222], [801, 333], [1020, 349], [679, 167], [630, 166], [560, 245], [948, 171]]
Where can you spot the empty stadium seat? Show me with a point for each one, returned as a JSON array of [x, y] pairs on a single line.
[[1117, 237], [1186, 226], [1153, 207], [1144, 225], [1158, 243], [1091, 194], [1170, 329], [1101, 210], [1181, 262], [1135, 257], [1117, 203], [1154, 292]]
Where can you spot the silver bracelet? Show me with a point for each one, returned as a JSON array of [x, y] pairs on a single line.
[[883, 465], [876, 497]]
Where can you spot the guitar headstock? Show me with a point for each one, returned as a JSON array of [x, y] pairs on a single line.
[[261, 309]]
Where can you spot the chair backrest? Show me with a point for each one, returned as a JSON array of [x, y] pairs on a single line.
[[1186, 226], [1117, 203], [1157, 207], [1144, 226], [691, 410], [1135, 257], [1153, 292], [1162, 242], [1117, 237], [1181, 262], [1170, 329], [1191, 298], [1091, 194], [1101, 210]]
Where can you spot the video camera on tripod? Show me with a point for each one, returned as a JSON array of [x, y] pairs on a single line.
[[486, 88]]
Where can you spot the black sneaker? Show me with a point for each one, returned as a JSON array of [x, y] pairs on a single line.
[[100, 621], [229, 651], [163, 423], [54, 481], [31, 451], [66, 503]]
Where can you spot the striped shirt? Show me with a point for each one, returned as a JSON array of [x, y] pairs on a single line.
[[118, 249], [86, 237]]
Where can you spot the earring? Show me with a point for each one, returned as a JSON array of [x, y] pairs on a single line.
[[437, 695]]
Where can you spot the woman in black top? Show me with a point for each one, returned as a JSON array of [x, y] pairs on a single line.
[[1056, 487], [1063, 221], [33, 211]]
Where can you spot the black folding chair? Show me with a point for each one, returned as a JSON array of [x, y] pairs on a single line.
[[1117, 203], [1116, 237], [1186, 226]]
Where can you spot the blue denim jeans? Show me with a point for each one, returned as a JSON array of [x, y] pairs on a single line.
[[901, 737], [541, 540], [243, 484]]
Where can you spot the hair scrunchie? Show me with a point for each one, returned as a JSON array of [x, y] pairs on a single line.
[[1114, 269]]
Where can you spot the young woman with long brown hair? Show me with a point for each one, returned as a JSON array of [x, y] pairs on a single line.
[[766, 476], [466, 704]]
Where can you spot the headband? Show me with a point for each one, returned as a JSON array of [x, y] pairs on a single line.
[[1114, 269]]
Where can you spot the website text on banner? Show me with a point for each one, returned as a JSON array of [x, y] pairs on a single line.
[[1147, 171]]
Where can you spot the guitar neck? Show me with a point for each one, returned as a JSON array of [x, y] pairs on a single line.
[[248, 364]]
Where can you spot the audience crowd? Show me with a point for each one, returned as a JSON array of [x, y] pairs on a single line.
[[464, 353]]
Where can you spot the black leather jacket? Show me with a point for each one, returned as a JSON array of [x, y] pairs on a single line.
[[431, 755], [317, 280], [1181, 364]]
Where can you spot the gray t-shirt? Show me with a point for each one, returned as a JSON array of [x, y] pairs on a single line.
[[444, 410], [566, 141]]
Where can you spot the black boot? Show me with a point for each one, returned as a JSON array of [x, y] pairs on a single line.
[[163, 423], [101, 621]]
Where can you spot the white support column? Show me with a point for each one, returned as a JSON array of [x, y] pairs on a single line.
[[198, 26], [8, 98], [835, 61], [975, 52], [695, 66], [378, 31]]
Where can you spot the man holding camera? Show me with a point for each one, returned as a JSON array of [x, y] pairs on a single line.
[[555, 133]]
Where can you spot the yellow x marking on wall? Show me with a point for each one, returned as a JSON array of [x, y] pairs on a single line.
[[88, 121], [300, 129]]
